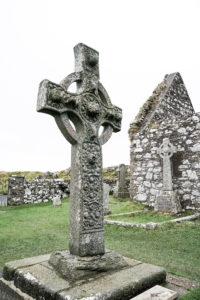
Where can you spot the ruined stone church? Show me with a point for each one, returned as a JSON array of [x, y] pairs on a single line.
[[168, 113]]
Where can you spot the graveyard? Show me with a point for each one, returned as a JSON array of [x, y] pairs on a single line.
[[36, 229], [123, 236]]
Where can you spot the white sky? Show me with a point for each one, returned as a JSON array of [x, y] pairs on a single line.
[[139, 41]]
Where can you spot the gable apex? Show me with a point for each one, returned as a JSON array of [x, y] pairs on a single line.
[[170, 100]]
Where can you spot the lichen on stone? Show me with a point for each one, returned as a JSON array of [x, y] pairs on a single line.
[[146, 108]]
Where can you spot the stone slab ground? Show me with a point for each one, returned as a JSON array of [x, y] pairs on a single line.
[[37, 280]]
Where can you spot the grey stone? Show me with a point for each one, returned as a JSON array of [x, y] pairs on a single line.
[[168, 113], [167, 200], [15, 190], [157, 293], [123, 191], [3, 200], [166, 151], [74, 268], [106, 191], [88, 109], [57, 201], [40, 281], [141, 197]]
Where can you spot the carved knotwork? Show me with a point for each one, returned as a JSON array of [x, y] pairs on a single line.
[[88, 109]]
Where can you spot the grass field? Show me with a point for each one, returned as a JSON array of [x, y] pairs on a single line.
[[30, 230]]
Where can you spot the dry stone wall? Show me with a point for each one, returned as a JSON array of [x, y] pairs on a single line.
[[35, 191], [43, 190], [15, 190], [146, 164]]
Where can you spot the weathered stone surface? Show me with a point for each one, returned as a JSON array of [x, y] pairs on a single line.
[[167, 200], [166, 150], [10, 267], [106, 191], [151, 225], [40, 280], [88, 109], [74, 268], [41, 190], [57, 201], [35, 190], [123, 191], [158, 293], [8, 291], [15, 190], [168, 113], [3, 200]]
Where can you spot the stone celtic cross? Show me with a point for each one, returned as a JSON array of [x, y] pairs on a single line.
[[88, 109], [166, 151]]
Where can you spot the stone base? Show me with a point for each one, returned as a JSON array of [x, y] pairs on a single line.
[[107, 212], [35, 278], [73, 268], [168, 202]]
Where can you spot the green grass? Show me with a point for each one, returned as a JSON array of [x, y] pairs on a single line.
[[124, 205], [30, 230], [193, 295], [33, 229]]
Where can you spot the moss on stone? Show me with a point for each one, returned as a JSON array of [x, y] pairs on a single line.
[[148, 106]]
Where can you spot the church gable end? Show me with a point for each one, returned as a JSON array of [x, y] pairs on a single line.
[[170, 100], [168, 114]]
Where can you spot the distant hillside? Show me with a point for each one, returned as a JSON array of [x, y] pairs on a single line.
[[110, 172]]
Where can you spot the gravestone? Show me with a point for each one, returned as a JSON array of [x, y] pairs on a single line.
[[56, 201], [167, 200], [3, 200], [106, 191], [123, 191], [86, 271]]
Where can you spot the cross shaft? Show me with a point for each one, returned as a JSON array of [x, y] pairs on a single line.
[[166, 151]]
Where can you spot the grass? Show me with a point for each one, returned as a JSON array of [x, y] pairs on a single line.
[[193, 295], [34, 229], [124, 205]]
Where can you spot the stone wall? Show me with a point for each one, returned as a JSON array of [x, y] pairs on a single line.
[[146, 164], [15, 190], [43, 190], [168, 113], [35, 191]]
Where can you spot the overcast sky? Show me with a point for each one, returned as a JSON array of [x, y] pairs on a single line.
[[139, 41]]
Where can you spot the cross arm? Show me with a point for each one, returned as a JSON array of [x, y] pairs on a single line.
[[112, 117], [53, 99]]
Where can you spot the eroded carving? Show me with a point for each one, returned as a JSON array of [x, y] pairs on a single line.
[[89, 109]]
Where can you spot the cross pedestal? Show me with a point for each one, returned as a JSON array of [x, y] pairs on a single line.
[[167, 200]]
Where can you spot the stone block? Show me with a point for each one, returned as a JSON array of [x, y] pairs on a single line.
[[167, 201], [40, 281], [157, 293]]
